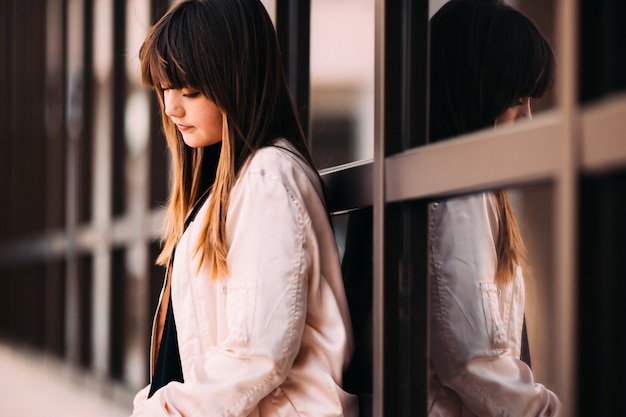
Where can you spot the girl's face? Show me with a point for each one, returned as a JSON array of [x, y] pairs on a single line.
[[196, 116], [519, 110]]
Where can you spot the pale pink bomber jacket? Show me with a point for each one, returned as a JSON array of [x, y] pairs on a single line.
[[273, 337], [476, 325]]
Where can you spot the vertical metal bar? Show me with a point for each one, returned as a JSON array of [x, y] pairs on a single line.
[[413, 290], [378, 182], [401, 280], [412, 310], [101, 133], [118, 185], [6, 69], [293, 24], [564, 317], [413, 294], [415, 44], [74, 98], [54, 113], [84, 207]]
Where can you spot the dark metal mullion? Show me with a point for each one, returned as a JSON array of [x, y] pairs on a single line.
[[84, 211], [293, 23], [118, 183], [414, 74], [405, 253], [159, 183], [117, 312]]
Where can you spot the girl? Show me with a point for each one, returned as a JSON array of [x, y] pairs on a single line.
[[487, 61], [253, 318]]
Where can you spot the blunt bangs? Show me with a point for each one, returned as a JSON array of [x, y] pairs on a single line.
[[170, 51]]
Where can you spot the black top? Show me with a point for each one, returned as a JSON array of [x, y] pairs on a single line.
[[167, 367]]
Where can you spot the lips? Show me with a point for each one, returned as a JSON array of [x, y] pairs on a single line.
[[183, 128]]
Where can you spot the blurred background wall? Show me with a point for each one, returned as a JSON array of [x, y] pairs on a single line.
[[85, 173]]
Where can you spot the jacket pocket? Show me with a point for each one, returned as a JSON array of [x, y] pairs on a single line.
[[495, 328], [240, 304]]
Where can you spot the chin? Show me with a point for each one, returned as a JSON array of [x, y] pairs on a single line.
[[193, 143]]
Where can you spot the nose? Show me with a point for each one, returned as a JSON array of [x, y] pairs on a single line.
[[172, 104]]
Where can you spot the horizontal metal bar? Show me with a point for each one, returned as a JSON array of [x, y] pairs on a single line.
[[56, 244], [510, 155]]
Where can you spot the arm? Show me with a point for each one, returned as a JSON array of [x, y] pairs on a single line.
[[265, 307], [469, 344]]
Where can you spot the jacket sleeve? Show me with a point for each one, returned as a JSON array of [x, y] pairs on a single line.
[[269, 265], [469, 349]]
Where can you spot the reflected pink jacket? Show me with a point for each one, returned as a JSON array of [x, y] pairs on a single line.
[[476, 325], [273, 337]]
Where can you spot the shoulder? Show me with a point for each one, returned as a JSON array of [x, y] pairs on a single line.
[[275, 184], [475, 214], [281, 163], [275, 158]]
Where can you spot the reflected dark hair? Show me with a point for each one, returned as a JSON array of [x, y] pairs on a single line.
[[229, 51], [485, 55]]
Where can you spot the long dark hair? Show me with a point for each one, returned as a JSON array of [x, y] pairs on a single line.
[[228, 50], [485, 56]]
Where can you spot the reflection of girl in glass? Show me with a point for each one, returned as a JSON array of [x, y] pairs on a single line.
[[253, 318], [487, 62]]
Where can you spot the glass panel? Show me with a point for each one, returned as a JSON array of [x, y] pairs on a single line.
[[137, 324], [480, 90], [118, 313], [85, 307], [342, 81], [602, 268], [492, 321], [602, 60], [54, 306], [533, 207], [129, 326]]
